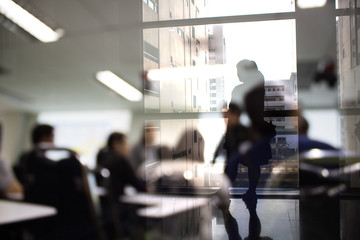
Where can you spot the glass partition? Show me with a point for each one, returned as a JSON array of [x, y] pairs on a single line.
[[193, 68], [160, 10]]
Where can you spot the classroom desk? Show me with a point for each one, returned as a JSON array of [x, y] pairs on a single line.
[[162, 206], [173, 216], [15, 212]]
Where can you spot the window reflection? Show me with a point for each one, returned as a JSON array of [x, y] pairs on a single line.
[[154, 10], [186, 53], [193, 68]]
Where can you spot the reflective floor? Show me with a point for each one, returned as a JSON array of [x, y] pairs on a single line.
[[279, 219]]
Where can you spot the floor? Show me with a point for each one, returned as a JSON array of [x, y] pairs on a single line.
[[279, 219]]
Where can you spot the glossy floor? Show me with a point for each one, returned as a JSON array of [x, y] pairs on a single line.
[[279, 219]]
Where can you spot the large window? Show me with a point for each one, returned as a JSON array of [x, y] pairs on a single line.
[[218, 8], [194, 77]]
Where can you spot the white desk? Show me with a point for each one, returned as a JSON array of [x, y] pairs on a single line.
[[161, 206], [12, 212], [172, 216]]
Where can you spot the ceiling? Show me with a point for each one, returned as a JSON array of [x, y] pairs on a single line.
[[60, 76], [99, 35]]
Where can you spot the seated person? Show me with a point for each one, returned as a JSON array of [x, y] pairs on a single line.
[[61, 183], [114, 157], [34, 161], [306, 143]]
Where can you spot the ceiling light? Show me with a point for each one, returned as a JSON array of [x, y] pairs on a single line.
[[28, 22], [118, 85], [311, 3]]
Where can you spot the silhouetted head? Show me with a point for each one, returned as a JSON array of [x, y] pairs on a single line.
[[303, 125], [118, 142], [247, 70], [42, 133]]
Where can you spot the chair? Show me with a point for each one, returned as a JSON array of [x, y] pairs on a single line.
[[55, 177]]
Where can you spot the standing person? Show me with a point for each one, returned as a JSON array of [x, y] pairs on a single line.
[[113, 159], [236, 133], [249, 146]]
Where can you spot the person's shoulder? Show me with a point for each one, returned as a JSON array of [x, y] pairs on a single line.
[[113, 159], [306, 143], [237, 95], [26, 155]]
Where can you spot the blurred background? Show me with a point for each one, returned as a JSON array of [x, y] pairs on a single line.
[[178, 61]]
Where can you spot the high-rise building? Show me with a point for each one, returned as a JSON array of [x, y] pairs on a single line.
[[348, 30], [217, 56], [180, 47]]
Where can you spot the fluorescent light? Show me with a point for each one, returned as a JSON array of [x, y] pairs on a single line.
[[180, 73], [28, 22], [118, 85], [311, 3]]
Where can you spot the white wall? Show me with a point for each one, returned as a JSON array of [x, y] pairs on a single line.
[[15, 134]]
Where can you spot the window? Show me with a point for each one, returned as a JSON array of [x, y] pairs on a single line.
[[151, 5], [156, 9], [274, 88], [194, 79], [151, 52], [274, 98], [180, 32], [274, 108], [218, 8]]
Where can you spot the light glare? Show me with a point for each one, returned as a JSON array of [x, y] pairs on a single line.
[[28, 22], [311, 3], [188, 175], [118, 85], [316, 153]]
